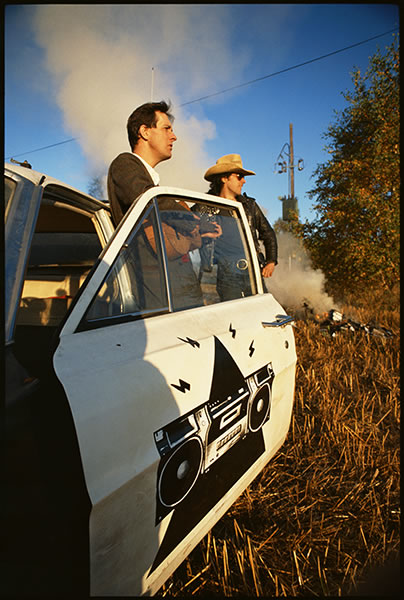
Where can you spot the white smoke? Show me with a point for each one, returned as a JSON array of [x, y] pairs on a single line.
[[106, 60], [294, 281]]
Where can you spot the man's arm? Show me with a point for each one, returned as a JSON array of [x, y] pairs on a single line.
[[268, 237], [127, 179], [268, 269]]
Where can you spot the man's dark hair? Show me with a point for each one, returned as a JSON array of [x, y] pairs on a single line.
[[145, 115], [216, 184]]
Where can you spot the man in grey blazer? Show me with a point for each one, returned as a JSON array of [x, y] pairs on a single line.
[[151, 138]]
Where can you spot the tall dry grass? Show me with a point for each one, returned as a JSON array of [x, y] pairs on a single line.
[[324, 514]]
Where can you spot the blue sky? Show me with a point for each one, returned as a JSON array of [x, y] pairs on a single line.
[[78, 71]]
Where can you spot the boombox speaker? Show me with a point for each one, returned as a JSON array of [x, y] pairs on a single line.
[[259, 408], [180, 472]]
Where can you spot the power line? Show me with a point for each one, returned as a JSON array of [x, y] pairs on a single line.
[[307, 62], [43, 148]]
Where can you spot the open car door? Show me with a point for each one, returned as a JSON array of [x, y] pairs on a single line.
[[179, 372]]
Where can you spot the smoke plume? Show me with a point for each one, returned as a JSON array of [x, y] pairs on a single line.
[[105, 60], [294, 281]]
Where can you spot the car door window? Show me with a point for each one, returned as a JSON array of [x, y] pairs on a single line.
[[218, 253], [182, 237], [182, 254], [135, 285]]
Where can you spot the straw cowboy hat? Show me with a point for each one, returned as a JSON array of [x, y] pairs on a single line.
[[230, 163]]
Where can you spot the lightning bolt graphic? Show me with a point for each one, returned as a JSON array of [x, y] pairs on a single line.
[[251, 348], [189, 341], [233, 331], [183, 387]]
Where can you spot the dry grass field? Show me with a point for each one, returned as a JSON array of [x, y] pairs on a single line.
[[324, 515]]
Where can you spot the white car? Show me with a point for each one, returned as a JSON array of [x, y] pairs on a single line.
[[149, 379]]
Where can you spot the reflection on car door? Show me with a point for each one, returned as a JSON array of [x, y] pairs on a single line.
[[178, 397]]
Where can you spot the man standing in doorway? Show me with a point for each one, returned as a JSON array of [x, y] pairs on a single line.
[[151, 138]]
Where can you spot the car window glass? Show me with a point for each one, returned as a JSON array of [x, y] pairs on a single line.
[[73, 248], [182, 255], [208, 256], [64, 247], [135, 284], [181, 235]]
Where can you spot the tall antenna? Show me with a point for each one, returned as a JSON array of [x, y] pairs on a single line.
[[152, 84]]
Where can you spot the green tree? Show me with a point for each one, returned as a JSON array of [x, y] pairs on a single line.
[[354, 238], [96, 188]]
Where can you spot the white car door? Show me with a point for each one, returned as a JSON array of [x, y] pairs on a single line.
[[180, 395]]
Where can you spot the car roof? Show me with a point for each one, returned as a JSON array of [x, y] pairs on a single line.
[[42, 179]]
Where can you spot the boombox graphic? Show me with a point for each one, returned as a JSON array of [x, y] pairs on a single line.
[[193, 444]]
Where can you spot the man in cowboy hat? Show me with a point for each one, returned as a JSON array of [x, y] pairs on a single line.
[[227, 178]]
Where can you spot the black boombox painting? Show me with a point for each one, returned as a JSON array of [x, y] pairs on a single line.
[[191, 444], [204, 452]]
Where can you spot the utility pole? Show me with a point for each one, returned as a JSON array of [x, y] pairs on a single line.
[[291, 165], [281, 166]]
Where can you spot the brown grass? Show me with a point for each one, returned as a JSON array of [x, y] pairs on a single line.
[[325, 512]]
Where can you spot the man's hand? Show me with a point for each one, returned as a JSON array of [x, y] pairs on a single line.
[[213, 234], [268, 269]]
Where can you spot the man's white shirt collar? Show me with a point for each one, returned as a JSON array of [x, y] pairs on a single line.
[[152, 172]]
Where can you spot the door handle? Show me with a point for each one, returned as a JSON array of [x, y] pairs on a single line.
[[281, 321]]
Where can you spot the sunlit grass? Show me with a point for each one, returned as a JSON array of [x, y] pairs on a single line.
[[326, 510]]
